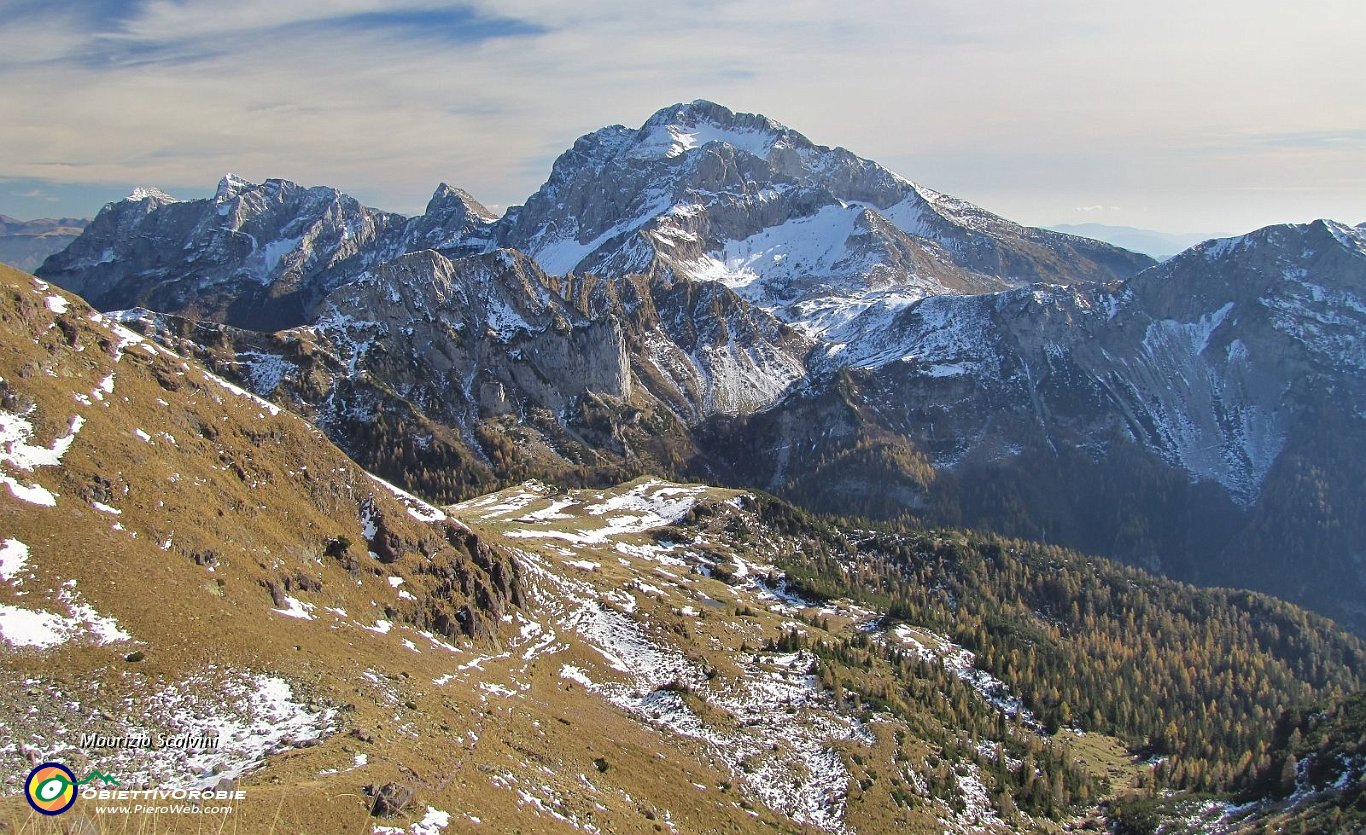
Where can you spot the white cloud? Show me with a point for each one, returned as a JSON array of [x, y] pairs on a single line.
[[1022, 108]]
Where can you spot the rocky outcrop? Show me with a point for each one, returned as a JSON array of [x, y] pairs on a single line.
[[797, 228], [444, 332], [463, 586], [454, 222], [1202, 418], [254, 256]]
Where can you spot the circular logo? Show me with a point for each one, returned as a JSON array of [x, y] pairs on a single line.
[[51, 788]]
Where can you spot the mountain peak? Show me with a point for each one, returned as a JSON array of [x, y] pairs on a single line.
[[230, 186], [150, 193], [702, 111], [1313, 237], [447, 196], [1352, 238], [679, 128]]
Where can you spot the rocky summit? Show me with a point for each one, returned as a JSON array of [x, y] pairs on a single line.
[[259, 256], [813, 234]]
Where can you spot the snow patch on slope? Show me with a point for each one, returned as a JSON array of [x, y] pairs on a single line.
[[432, 823], [418, 509], [963, 664], [673, 140], [252, 715], [17, 452], [648, 505], [265, 371], [13, 558], [44, 630], [780, 742], [560, 255], [1203, 418], [241, 392], [814, 245]]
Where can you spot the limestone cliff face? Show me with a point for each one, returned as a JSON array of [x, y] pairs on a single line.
[[696, 347], [474, 337], [807, 232], [1204, 418], [714, 294], [253, 256]]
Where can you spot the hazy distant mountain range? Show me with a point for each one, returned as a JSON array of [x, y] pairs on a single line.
[[1160, 245], [25, 244]]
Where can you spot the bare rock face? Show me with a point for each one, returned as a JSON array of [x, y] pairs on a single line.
[[456, 332], [390, 800], [805, 231], [1204, 418], [254, 256], [453, 221], [1192, 360], [714, 294]]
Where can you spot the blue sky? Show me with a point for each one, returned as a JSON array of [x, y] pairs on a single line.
[[1215, 116]]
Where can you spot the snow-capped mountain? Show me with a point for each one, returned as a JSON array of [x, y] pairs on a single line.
[[713, 294], [255, 255], [1193, 359], [1185, 413], [816, 235]]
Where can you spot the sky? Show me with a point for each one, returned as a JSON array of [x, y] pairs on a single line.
[[1198, 116]]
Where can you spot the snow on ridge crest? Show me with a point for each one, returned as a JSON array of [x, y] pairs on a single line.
[[230, 186], [677, 129], [149, 193], [1352, 238], [675, 140]]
